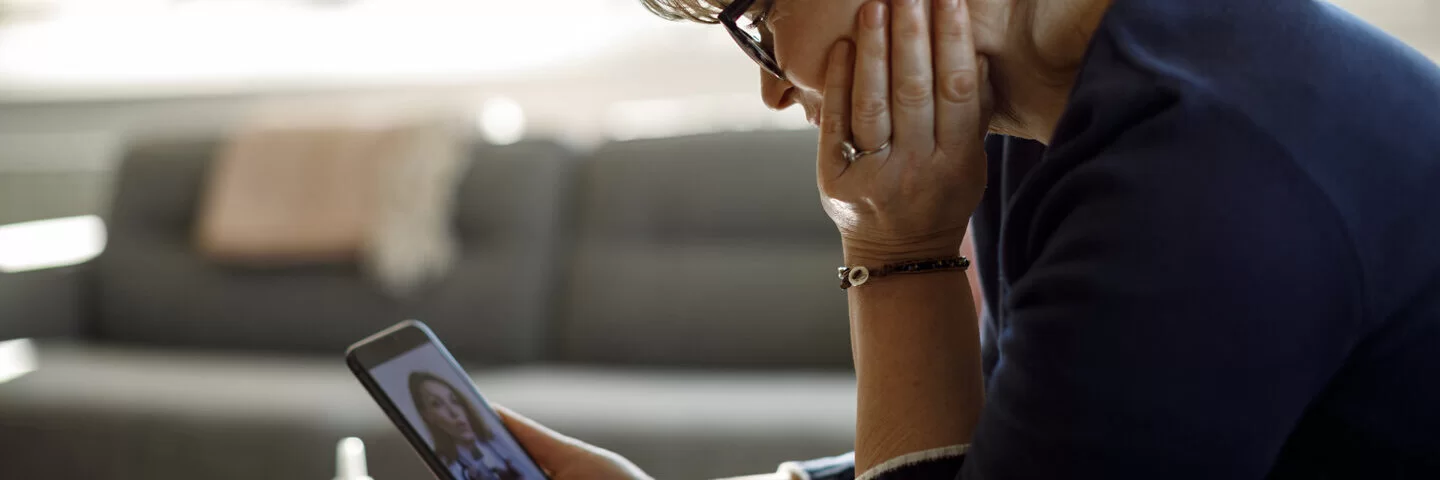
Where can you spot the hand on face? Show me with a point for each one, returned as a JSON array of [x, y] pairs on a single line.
[[912, 199]]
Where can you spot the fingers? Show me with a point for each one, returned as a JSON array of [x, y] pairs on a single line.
[[550, 449], [835, 112], [870, 117], [957, 78], [912, 97]]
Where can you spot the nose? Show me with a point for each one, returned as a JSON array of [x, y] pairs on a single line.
[[778, 94]]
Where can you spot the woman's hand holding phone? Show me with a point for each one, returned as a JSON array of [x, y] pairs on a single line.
[[565, 458]]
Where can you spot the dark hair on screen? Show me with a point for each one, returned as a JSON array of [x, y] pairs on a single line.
[[703, 11], [445, 446]]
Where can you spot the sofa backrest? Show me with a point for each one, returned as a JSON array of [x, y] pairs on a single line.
[[152, 287], [709, 250], [512, 219]]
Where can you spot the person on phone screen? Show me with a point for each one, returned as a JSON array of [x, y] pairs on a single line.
[[459, 435]]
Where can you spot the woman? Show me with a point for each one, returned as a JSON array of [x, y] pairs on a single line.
[[458, 434], [1206, 236]]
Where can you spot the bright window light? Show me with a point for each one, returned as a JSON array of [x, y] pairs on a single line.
[[361, 44], [50, 243], [17, 358], [502, 121]]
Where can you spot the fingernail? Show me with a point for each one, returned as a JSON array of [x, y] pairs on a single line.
[[875, 15], [950, 4]]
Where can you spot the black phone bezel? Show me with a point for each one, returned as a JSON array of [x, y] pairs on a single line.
[[393, 342]]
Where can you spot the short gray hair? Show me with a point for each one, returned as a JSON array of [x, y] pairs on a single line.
[[703, 11]]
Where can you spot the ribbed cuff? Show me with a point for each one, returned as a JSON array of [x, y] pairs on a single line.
[[839, 467], [909, 460]]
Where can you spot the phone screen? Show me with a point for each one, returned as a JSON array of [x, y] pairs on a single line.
[[441, 406]]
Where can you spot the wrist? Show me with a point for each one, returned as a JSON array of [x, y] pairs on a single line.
[[867, 254]]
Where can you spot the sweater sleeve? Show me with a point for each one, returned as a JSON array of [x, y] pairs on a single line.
[[1175, 300]]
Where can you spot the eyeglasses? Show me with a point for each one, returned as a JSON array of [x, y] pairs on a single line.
[[753, 40]]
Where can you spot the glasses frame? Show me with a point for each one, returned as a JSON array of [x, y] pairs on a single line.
[[730, 17]]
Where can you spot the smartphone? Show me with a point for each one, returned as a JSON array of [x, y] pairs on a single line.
[[436, 406]]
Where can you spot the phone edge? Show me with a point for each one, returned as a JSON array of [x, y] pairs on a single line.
[[397, 418]]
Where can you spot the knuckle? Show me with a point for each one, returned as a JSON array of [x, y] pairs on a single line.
[[951, 25], [870, 48], [908, 30], [870, 108], [833, 124], [950, 33], [960, 86], [913, 91]]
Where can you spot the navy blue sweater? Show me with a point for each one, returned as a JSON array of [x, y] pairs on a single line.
[[1227, 263]]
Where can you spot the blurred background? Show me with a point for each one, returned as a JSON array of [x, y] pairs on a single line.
[[589, 205]]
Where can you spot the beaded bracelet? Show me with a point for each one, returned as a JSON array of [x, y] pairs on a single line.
[[856, 276]]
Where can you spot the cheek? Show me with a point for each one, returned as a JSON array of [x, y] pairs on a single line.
[[804, 33], [804, 62]]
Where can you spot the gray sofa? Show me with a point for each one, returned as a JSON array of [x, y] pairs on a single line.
[[668, 299]]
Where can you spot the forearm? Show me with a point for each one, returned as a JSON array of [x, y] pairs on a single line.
[[917, 358]]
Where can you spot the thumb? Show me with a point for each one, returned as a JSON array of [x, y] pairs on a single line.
[[550, 449]]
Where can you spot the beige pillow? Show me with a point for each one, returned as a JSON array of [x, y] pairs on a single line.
[[278, 197]]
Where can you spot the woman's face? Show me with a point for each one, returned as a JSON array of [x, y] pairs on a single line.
[[802, 33], [442, 408]]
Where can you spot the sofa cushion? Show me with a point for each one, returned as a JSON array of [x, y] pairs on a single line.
[[496, 305], [44, 303], [153, 288], [702, 305], [757, 186], [709, 250], [123, 413]]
